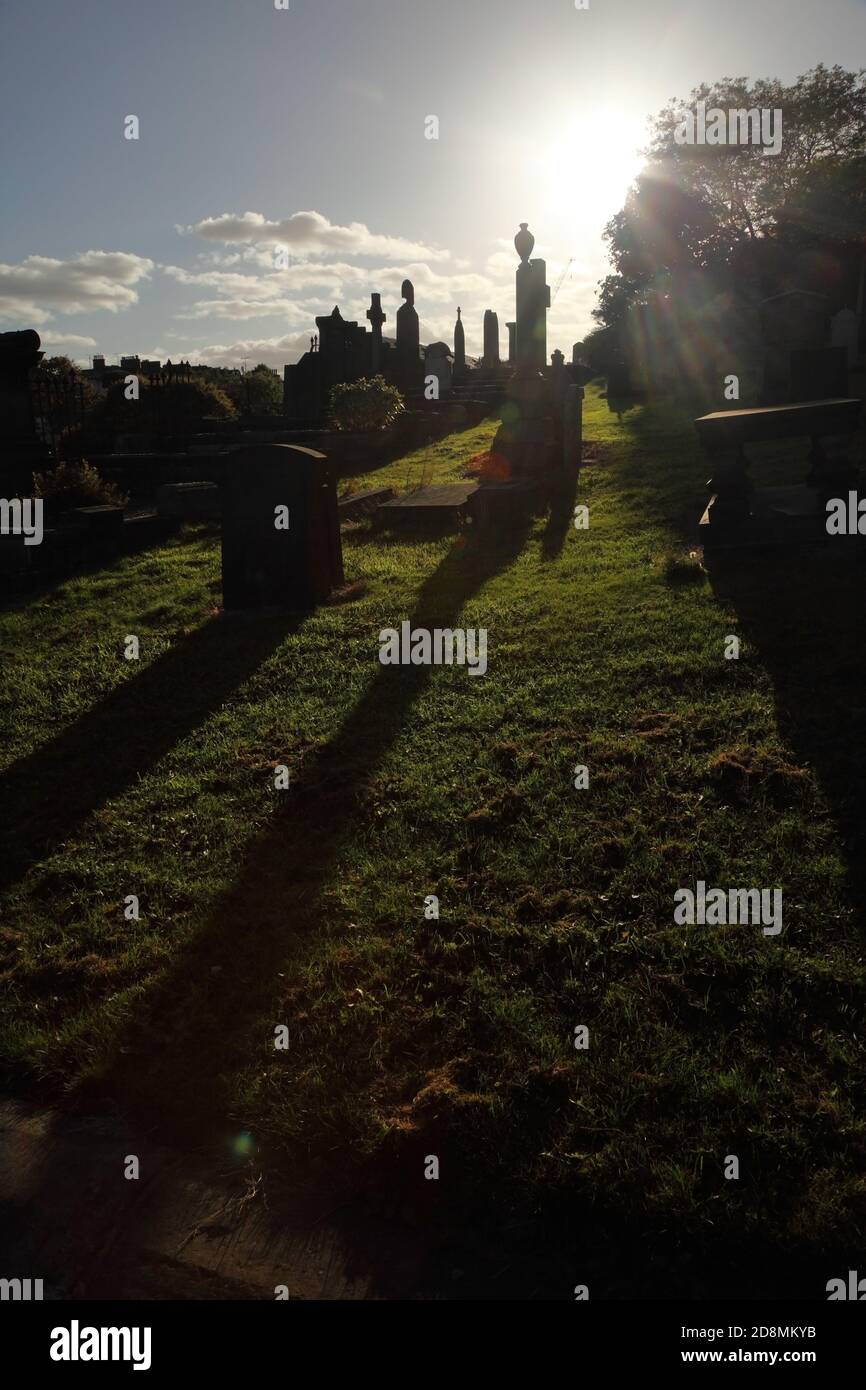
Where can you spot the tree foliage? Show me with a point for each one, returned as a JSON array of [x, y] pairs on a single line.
[[727, 210], [368, 404]]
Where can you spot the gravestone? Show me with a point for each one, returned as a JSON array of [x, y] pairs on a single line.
[[512, 331], [436, 364], [266, 565], [491, 339], [408, 339], [20, 448]]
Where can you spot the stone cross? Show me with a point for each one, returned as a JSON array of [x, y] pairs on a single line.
[[377, 318]]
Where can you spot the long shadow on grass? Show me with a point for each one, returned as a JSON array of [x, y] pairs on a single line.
[[48, 794], [192, 1029], [803, 612], [560, 516]]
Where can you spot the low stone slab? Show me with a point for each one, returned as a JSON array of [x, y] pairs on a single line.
[[100, 521], [361, 504], [440, 503], [198, 501]]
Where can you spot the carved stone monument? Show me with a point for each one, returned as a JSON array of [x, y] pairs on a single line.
[[527, 439], [408, 367], [491, 338], [376, 318], [459, 346], [407, 325], [533, 302]]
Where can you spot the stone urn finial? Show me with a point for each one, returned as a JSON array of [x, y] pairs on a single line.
[[524, 242]]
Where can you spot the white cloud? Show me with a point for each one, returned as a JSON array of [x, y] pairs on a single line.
[[306, 231], [274, 351], [52, 340], [30, 290], [244, 296]]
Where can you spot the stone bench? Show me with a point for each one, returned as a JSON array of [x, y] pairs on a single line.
[[725, 433]]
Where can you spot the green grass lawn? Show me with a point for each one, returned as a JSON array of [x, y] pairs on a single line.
[[305, 907]]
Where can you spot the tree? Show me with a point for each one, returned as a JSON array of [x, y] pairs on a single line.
[[180, 408], [730, 211], [259, 392]]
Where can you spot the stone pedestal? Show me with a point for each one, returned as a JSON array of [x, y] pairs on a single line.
[[527, 438], [572, 428], [731, 489]]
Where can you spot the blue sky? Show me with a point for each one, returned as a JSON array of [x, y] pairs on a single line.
[[116, 245]]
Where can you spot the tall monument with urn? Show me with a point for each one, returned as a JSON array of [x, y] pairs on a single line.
[[526, 438], [533, 302]]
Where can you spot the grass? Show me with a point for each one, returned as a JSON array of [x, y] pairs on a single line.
[[454, 1037]]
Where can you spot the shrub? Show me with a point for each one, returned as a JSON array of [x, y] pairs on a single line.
[[368, 404], [77, 485]]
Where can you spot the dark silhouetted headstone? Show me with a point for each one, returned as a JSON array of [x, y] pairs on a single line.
[[376, 317], [491, 338], [20, 448], [408, 334], [459, 346], [533, 302], [280, 532]]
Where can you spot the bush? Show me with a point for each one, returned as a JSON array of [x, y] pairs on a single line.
[[77, 485], [368, 404]]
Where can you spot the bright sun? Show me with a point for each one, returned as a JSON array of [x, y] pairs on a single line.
[[589, 166]]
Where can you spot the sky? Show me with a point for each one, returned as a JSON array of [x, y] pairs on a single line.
[[283, 163]]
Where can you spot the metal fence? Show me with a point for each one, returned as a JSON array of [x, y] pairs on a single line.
[[58, 413]]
